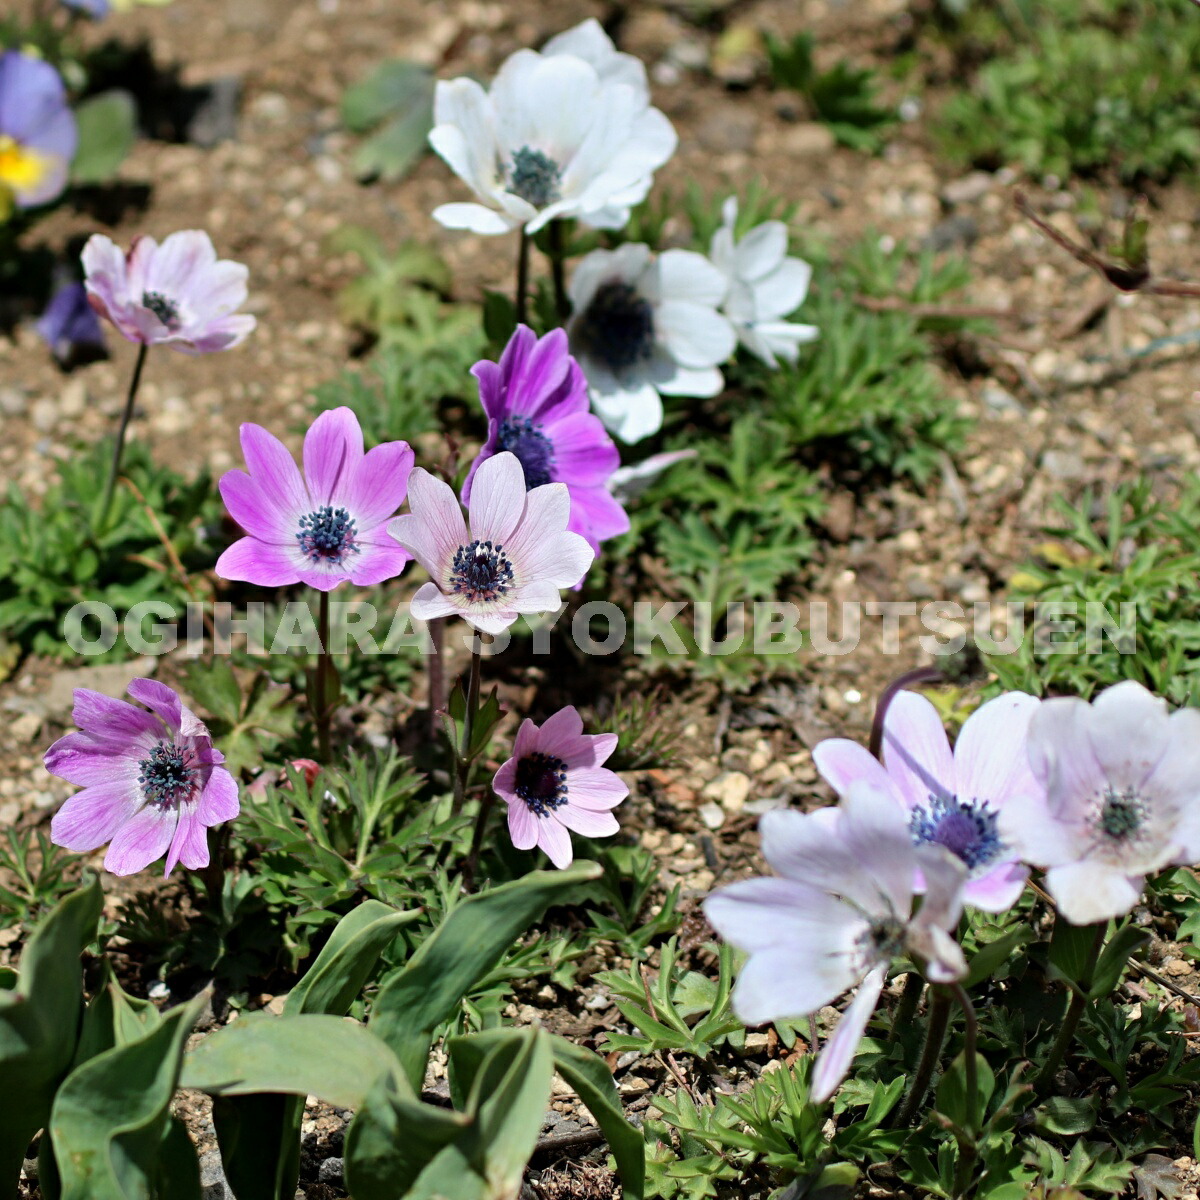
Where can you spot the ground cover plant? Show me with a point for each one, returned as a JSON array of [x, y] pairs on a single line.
[[377, 846]]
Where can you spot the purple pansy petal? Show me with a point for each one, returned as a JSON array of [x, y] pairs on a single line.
[[498, 500], [522, 825], [833, 1063], [141, 840], [588, 822], [380, 482], [916, 751], [1089, 892], [842, 762], [252, 561], [91, 817], [34, 113], [991, 758], [554, 839], [333, 449], [70, 325]]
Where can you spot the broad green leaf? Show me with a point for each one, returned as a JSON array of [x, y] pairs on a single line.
[[1071, 948], [107, 129], [1115, 957], [1068, 1115], [39, 1023], [952, 1092], [393, 86], [986, 960], [112, 1114], [465, 947]]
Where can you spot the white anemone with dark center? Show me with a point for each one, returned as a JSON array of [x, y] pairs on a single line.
[[644, 327]]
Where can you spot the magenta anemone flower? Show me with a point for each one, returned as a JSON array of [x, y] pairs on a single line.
[[536, 401], [324, 527], [952, 799], [838, 917], [1121, 801], [38, 135], [177, 294], [555, 782], [516, 557], [152, 781]]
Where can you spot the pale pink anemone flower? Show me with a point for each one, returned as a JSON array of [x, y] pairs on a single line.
[[838, 917], [555, 782], [152, 781], [325, 527], [176, 294], [951, 798], [516, 557], [1121, 800]]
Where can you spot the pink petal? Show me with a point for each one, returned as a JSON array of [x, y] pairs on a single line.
[[141, 840], [1128, 727], [1062, 757], [916, 751], [434, 528], [159, 699], [379, 484], [596, 788], [259, 513], [834, 1061], [527, 740], [586, 821], [428, 603], [222, 334], [504, 782], [274, 470], [874, 830], [173, 267], [263, 563], [108, 717], [85, 759], [333, 449], [998, 890], [842, 762], [189, 844], [498, 500], [566, 724], [91, 817], [487, 622], [522, 825], [219, 801], [991, 756], [555, 841], [584, 454], [1035, 835], [597, 515], [376, 562]]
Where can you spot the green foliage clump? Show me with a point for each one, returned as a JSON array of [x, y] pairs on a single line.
[[1093, 88]]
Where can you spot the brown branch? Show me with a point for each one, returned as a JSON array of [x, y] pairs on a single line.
[[935, 311]]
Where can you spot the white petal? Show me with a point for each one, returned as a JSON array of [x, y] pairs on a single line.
[[696, 336], [686, 275], [1089, 892], [781, 292], [834, 1061], [692, 381], [474, 217], [762, 250]]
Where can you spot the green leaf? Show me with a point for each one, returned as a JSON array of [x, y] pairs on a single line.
[[987, 959], [1068, 1115], [952, 1092], [1071, 949], [107, 128], [465, 947], [1115, 957], [39, 1023], [399, 95], [112, 1114]]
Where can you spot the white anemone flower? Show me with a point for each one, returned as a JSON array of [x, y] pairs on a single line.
[[765, 285], [646, 327], [1122, 798], [589, 42], [556, 136]]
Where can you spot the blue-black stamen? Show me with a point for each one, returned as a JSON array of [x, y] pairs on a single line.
[[535, 177], [166, 776], [327, 535], [533, 449], [967, 828], [1121, 813], [481, 572], [542, 782], [618, 326], [167, 311]]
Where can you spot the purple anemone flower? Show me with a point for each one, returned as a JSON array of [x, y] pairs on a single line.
[[69, 325], [536, 401], [516, 557], [38, 136], [555, 782], [152, 781], [1121, 799], [841, 912], [96, 9], [324, 527], [177, 294], [952, 799]]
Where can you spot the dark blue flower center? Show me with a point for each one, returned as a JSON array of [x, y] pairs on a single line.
[[884, 939], [481, 572], [533, 448], [967, 828], [1122, 813], [327, 535], [534, 177], [542, 782], [167, 311], [166, 776], [618, 326]]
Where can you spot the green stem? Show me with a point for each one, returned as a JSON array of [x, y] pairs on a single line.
[[906, 1008], [322, 709], [558, 267], [463, 775], [918, 675], [522, 304], [437, 674], [935, 1035], [1078, 1002], [967, 1147], [119, 449]]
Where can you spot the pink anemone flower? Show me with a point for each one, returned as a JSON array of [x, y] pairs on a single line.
[[152, 781], [325, 527], [555, 783]]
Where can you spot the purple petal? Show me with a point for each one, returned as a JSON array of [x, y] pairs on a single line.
[[257, 512], [584, 454], [333, 450], [833, 1063], [998, 890], [274, 471], [944, 874], [842, 762], [498, 500], [111, 718], [991, 756], [541, 550], [504, 782], [159, 699], [219, 801], [70, 325], [91, 817], [555, 841], [106, 282], [434, 528], [1027, 825], [85, 759], [173, 268], [376, 562], [224, 333], [875, 831], [141, 840], [597, 515], [253, 561], [916, 751], [34, 113], [564, 726], [379, 484], [189, 844], [522, 825]]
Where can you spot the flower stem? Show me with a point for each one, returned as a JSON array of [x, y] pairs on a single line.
[[1079, 999], [522, 304], [437, 674], [558, 267], [119, 448], [322, 710], [967, 1147], [906, 1008], [919, 675], [463, 774], [935, 1034]]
